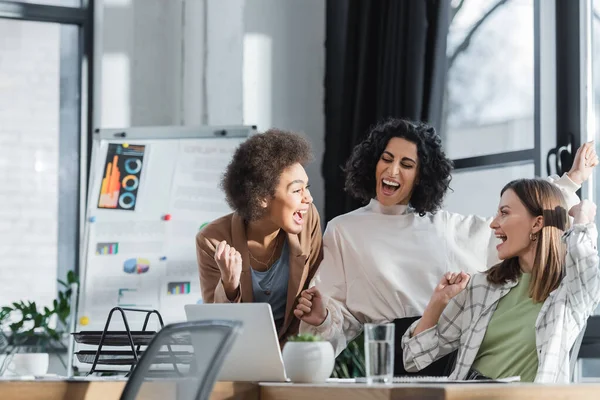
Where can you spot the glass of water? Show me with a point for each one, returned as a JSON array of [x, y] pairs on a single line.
[[379, 352]]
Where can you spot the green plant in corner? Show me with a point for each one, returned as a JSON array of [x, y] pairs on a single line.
[[350, 363], [305, 337], [25, 327]]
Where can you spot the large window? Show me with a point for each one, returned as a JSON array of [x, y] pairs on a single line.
[[44, 51], [493, 102], [489, 102], [483, 188]]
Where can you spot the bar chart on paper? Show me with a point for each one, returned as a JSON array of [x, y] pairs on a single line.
[[107, 248], [178, 288]]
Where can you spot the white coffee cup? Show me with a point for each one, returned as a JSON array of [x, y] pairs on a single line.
[[28, 364]]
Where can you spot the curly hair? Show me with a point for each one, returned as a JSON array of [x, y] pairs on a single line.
[[433, 179], [254, 171]]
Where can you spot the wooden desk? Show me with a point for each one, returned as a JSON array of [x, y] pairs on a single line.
[[111, 390], [282, 391]]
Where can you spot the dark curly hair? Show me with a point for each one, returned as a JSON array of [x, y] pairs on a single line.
[[434, 167], [253, 173]]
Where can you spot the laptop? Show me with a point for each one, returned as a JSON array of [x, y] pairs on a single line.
[[255, 356]]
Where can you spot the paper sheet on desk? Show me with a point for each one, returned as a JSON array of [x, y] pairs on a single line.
[[429, 379]]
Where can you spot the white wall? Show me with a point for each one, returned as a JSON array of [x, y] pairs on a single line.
[[284, 72], [139, 70], [191, 62]]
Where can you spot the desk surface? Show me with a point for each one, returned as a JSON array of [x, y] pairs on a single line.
[[518, 391], [111, 390]]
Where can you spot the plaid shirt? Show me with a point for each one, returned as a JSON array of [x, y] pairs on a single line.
[[562, 317]]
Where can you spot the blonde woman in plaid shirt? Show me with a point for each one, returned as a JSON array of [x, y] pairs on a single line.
[[522, 316]]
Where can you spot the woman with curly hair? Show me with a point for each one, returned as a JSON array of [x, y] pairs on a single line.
[[269, 248], [381, 261]]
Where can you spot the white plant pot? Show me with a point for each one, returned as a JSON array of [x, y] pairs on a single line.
[[308, 362], [27, 364]]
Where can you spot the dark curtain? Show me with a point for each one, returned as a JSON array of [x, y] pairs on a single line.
[[384, 58]]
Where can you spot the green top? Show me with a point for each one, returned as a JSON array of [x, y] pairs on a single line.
[[508, 348]]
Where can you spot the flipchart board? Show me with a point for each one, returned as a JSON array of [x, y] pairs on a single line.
[[151, 190]]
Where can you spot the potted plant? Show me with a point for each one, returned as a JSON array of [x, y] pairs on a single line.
[[307, 358], [350, 363], [25, 329]]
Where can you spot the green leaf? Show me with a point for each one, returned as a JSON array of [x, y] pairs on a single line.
[[305, 337], [72, 277], [15, 326]]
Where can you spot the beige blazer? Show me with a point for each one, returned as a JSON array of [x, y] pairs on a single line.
[[306, 253]]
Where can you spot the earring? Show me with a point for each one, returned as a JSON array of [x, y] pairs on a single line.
[[532, 237]]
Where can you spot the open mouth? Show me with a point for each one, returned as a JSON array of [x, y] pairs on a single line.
[[389, 187], [299, 216], [503, 238]]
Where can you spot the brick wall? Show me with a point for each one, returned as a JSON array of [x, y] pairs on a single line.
[[29, 121]]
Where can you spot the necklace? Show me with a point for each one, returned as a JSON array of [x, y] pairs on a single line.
[[268, 263]]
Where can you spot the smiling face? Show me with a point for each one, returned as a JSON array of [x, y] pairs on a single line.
[[513, 225], [396, 172], [288, 208]]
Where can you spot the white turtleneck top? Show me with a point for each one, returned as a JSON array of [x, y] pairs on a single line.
[[382, 263]]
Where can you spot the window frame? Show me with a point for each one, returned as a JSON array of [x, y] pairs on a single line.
[[76, 112], [524, 156]]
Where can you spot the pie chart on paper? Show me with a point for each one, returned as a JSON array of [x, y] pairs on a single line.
[[136, 266]]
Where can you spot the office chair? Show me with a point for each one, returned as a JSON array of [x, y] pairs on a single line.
[[589, 342], [574, 355], [441, 367], [186, 357]]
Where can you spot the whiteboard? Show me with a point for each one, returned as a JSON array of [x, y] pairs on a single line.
[[150, 191]]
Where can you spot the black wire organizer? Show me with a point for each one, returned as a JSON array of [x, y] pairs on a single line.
[[133, 341]]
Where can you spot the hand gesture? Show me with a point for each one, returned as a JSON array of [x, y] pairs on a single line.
[[584, 212], [310, 308], [229, 261], [583, 164], [451, 284]]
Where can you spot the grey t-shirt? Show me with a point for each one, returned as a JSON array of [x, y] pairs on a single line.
[[271, 286]]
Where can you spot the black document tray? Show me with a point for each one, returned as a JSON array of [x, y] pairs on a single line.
[[120, 357]]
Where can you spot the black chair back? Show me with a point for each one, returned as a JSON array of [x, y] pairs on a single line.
[[590, 345], [441, 367], [186, 356]]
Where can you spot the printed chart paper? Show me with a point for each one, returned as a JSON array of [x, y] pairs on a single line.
[[121, 178]]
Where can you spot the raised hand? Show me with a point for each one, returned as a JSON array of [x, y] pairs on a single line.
[[229, 261], [583, 164], [451, 284], [310, 307], [584, 212]]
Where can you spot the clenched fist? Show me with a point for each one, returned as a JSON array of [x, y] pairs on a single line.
[[229, 261], [451, 284], [310, 308]]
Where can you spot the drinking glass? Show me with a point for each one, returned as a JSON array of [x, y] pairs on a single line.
[[379, 352]]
